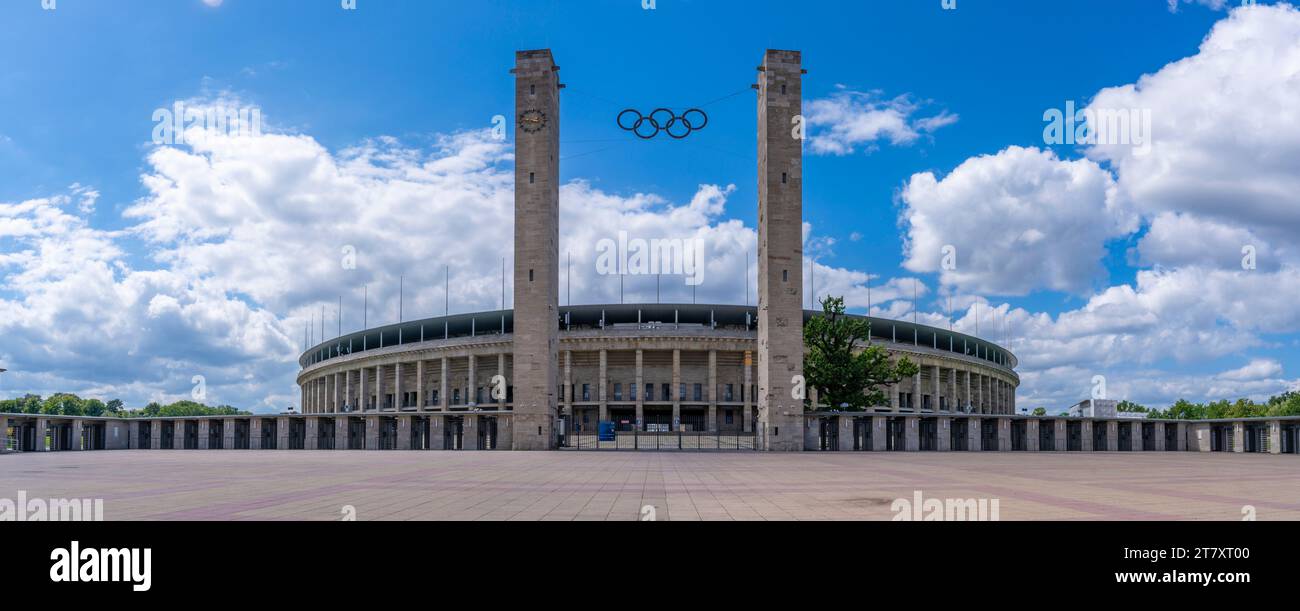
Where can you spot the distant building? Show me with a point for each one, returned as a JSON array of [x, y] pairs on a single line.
[[1101, 408]]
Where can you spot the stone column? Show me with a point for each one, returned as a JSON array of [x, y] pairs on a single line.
[[282, 433], [944, 441], [911, 433], [77, 427], [1085, 434], [676, 390], [780, 250], [938, 388], [1135, 434], [747, 409], [341, 433], [204, 430], [1158, 431], [403, 432], [471, 392], [846, 433], [398, 403], [255, 433], [419, 385], [155, 434], [1275, 437], [380, 391], [1238, 437], [228, 434], [711, 420], [1062, 436], [640, 391], [966, 397], [568, 387], [471, 433], [878, 441], [536, 249], [362, 397], [1112, 435], [501, 371], [1004, 434], [444, 393], [372, 432], [311, 435], [600, 385], [975, 434], [42, 429], [1031, 434]]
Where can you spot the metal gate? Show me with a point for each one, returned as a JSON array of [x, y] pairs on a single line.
[[659, 438]]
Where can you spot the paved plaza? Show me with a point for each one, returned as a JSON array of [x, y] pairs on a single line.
[[317, 485]]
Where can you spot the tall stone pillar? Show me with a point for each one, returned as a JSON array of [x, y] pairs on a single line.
[[747, 409], [1085, 434], [944, 441], [601, 384], [1238, 437], [379, 388], [639, 391], [228, 434], [471, 388], [1158, 431], [204, 430], [155, 434], [537, 238], [1062, 436], [675, 390], [419, 385], [780, 250], [397, 386], [362, 397], [1275, 437], [1112, 435], [1031, 435], [444, 392], [711, 420], [975, 435], [1004, 434]]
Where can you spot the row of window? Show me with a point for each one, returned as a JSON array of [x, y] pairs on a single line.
[[685, 392]]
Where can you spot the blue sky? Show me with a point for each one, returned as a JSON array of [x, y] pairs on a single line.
[[395, 85]]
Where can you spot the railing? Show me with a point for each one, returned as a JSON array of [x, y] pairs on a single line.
[[661, 441]]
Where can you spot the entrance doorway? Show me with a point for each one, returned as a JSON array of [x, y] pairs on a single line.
[[453, 433], [487, 433]]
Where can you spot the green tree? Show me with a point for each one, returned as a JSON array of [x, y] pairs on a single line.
[[1039, 411], [1129, 406], [842, 365], [114, 407]]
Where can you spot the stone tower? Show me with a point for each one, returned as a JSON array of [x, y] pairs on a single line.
[[780, 250], [537, 244]]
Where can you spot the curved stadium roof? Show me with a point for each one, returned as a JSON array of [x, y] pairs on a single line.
[[500, 322]]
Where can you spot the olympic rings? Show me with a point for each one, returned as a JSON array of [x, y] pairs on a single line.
[[659, 122]]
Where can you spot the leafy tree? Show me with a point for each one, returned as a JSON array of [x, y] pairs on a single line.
[[114, 407], [1039, 411], [842, 365], [1129, 406]]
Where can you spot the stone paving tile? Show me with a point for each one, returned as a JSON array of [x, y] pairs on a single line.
[[302, 485]]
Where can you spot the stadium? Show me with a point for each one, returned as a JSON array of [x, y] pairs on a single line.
[[645, 376]]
